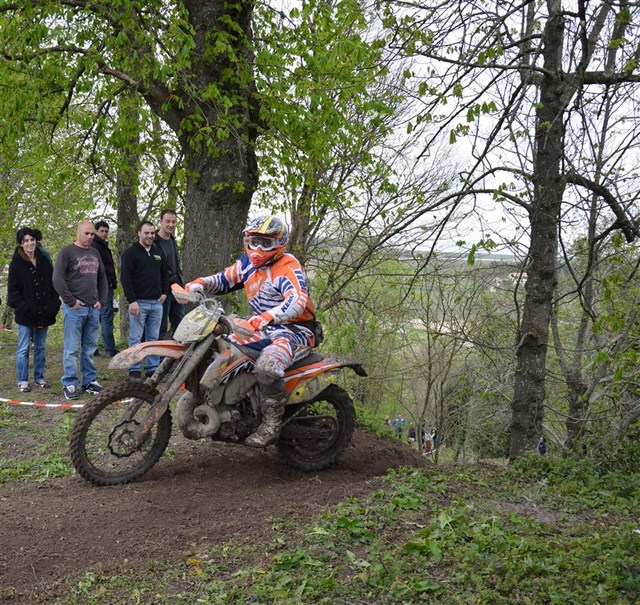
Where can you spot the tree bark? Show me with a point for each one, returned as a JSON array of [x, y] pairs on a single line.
[[215, 214], [531, 353], [127, 199], [222, 168]]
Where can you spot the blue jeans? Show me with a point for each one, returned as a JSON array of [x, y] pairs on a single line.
[[106, 325], [172, 311], [80, 343], [147, 323], [39, 354]]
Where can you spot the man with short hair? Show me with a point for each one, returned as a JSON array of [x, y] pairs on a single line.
[[172, 310], [101, 244], [145, 280], [81, 282]]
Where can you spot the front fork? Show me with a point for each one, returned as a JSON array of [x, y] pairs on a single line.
[[187, 364]]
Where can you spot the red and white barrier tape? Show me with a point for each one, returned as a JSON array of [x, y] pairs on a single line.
[[59, 406], [40, 404]]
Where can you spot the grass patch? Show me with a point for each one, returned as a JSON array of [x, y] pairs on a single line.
[[450, 536], [34, 441], [543, 530], [34, 444]]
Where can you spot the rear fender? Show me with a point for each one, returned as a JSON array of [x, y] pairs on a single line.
[[307, 382], [308, 389], [294, 377], [162, 348]]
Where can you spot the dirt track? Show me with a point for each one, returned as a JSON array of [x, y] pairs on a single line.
[[206, 494]]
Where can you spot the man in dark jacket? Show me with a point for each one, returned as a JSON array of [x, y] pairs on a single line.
[[172, 310], [101, 244], [145, 281]]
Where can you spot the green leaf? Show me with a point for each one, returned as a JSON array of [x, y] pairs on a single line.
[[425, 586]]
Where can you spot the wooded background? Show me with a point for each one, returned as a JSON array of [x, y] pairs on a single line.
[[390, 134]]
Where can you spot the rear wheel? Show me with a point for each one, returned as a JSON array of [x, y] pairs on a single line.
[[316, 438], [104, 449]]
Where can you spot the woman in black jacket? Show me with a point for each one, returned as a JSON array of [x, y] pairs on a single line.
[[36, 303]]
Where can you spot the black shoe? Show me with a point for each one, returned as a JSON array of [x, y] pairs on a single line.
[[93, 388], [112, 353], [135, 376], [70, 392], [149, 374]]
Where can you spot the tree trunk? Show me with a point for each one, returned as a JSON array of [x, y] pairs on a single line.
[[215, 211], [127, 200], [217, 134], [529, 388], [576, 422]]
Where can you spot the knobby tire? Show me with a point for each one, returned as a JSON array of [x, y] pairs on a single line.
[[103, 420], [315, 456]]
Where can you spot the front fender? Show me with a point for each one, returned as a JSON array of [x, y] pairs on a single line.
[[162, 348]]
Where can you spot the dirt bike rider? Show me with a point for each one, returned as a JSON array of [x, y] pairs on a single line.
[[275, 285]]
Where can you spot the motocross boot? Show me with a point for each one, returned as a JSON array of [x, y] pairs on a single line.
[[272, 398], [269, 430]]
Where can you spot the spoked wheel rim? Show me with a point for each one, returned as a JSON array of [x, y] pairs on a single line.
[[123, 441], [320, 433], [105, 448], [320, 429]]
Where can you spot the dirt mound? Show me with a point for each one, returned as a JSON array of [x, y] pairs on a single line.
[[204, 493]]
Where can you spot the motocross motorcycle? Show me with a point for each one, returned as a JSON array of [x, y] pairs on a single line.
[[123, 431]]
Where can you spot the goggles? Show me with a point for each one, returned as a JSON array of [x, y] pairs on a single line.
[[261, 242]]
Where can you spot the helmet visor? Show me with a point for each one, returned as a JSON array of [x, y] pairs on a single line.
[[261, 242]]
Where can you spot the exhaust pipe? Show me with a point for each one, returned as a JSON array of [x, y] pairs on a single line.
[[196, 421]]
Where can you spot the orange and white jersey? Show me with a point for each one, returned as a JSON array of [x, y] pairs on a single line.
[[279, 289]]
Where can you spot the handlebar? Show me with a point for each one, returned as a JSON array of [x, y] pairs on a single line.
[[184, 297], [226, 323]]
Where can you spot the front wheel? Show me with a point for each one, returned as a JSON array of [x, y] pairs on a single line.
[[104, 449], [314, 439]]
